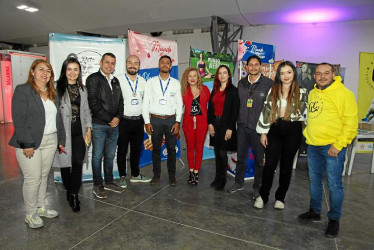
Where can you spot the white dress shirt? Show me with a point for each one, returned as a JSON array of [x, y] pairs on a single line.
[[132, 96], [159, 103]]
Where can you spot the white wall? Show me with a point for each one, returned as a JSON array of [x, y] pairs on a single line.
[[337, 43]]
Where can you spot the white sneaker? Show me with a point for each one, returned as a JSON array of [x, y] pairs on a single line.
[[259, 203], [48, 213], [34, 221], [279, 205]]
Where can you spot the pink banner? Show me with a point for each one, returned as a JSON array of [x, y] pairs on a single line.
[[150, 49]]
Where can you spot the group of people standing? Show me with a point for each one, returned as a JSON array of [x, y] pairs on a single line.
[[114, 111]]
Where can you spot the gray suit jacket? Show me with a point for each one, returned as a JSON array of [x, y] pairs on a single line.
[[29, 118], [64, 160]]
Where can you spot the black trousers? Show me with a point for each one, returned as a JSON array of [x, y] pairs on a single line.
[[131, 132], [72, 177], [284, 140], [163, 127]]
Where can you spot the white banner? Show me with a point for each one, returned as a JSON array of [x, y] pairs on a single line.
[[88, 50]]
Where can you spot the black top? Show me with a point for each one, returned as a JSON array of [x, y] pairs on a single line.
[[227, 120], [195, 107], [75, 100]]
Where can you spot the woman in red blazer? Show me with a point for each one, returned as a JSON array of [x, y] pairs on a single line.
[[195, 126]]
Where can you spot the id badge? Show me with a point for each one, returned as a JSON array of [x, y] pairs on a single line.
[[162, 102], [134, 101], [249, 103]]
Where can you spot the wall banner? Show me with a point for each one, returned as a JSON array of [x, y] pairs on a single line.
[[88, 50], [366, 87]]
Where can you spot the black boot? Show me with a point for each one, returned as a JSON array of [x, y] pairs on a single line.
[[220, 185], [214, 183], [195, 179], [190, 177], [74, 203]]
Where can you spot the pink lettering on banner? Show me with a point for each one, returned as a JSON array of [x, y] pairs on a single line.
[[156, 47]]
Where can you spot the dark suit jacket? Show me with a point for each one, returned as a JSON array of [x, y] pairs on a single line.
[[227, 121], [29, 118], [105, 103]]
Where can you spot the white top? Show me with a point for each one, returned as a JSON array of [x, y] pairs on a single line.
[[283, 103], [259, 75], [155, 102], [111, 76], [50, 117], [132, 104]]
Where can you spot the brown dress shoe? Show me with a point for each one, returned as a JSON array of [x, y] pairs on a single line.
[[155, 180], [173, 181]]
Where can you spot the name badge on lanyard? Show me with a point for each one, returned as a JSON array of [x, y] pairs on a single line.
[[132, 89], [163, 101], [134, 102], [249, 103]]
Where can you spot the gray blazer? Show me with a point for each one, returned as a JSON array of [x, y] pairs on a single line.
[[29, 119], [64, 160]]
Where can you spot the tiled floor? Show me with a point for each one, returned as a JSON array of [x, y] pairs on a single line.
[[183, 217]]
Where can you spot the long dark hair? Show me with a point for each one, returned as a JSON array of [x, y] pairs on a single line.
[[217, 83], [62, 82], [292, 97]]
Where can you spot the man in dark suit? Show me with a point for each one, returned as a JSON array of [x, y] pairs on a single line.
[[106, 104]]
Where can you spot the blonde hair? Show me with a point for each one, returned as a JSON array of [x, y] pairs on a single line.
[[184, 82]]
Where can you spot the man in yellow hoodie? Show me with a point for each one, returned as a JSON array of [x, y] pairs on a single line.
[[332, 125]]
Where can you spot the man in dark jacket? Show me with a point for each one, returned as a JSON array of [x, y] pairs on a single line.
[[253, 90], [106, 104]]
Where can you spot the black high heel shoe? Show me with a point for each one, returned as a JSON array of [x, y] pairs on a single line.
[[74, 203], [190, 177], [195, 179]]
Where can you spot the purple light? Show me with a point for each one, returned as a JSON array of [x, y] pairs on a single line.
[[314, 16]]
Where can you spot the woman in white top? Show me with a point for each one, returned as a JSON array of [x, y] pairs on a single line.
[[38, 131], [280, 126]]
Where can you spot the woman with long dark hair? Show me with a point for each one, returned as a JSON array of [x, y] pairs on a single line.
[[223, 113], [195, 100], [280, 126], [76, 116], [38, 131]]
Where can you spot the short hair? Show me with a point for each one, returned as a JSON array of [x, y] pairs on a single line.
[[108, 54], [255, 57], [165, 56], [326, 63]]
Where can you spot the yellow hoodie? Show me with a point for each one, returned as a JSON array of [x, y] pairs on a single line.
[[332, 116]]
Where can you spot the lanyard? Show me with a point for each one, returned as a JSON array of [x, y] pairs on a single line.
[[162, 89], [136, 85]]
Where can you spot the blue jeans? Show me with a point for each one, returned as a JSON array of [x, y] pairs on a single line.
[[320, 162], [104, 143]]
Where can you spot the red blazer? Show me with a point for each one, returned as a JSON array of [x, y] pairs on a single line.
[[187, 102]]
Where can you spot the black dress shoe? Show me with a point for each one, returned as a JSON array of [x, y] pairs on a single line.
[[220, 185], [155, 180], [173, 181], [74, 203], [214, 183]]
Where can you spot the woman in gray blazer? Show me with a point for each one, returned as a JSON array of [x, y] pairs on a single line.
[[76, 116], [38, 131]]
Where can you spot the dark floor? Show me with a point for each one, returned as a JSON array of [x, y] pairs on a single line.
[[183, 217]]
